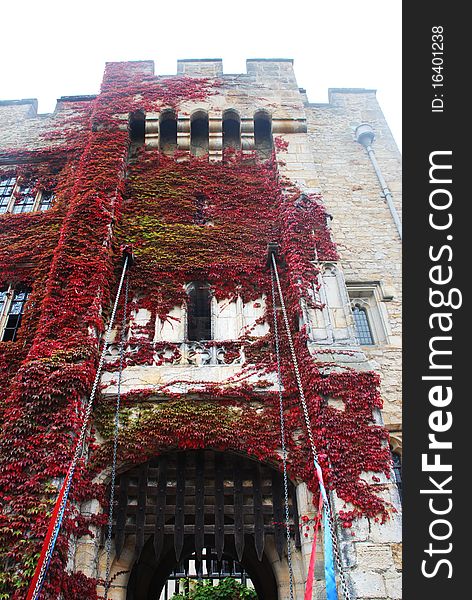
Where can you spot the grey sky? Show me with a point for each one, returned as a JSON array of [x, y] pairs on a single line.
[[52, 48]]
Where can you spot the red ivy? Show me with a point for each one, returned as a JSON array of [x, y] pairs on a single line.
[[187, 219]]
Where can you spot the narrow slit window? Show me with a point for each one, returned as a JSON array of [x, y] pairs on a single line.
[[361, 323], [397, 470], [199, 134], [199, 312], [14, 315], [168, 133]]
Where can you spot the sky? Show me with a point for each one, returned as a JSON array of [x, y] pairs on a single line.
[[55, 48]]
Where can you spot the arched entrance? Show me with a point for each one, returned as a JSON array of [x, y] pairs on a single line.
[[206, 506], [149, 577]]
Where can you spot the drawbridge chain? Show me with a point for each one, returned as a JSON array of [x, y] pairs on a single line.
[[282, 437], [115, 440], [327, 508], [57, 516]]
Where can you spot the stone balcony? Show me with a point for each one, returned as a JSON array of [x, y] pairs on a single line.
[[182, 367], [199, 354]]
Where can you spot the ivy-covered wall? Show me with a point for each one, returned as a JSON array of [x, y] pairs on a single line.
[[70, 258]]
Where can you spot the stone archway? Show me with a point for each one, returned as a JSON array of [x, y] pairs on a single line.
[[178, 504], [148, 576]]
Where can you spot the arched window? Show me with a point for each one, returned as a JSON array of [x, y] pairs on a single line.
[[361, 323], [168, 132], [199, 312], [231, 130], [397, 470], [199, 133], [371, 323], [137, 132], [263, 134]]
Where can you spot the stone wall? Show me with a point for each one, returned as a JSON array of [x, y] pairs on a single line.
[[363, 227], [21, 128], [322, 157]]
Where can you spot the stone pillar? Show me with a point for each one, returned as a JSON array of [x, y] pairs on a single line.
[[87, 546], [183, 132], [247, 134], [120, 570], [215, 136], [152, 130], [370, 551], [372, 556]]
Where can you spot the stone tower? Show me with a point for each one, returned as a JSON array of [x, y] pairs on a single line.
[[208, 179]]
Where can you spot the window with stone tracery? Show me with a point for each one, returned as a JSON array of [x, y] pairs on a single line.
[[369, 313], [221, 319], [46, 199], [362, 326], [7, 186], [25, 202]]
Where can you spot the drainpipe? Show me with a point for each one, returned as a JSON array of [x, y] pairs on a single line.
[[365, 136]]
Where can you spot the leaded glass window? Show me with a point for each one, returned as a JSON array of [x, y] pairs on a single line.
[[46, 200], [397, 470], [14, 313], [361, 323], [3, 301], [25, 203], [6, 191], [24, 199]]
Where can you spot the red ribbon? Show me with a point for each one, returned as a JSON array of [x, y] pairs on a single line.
[[42, 556], [311, 568]]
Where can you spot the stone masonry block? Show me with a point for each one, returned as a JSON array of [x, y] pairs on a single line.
[[393, 584], [397, 556], [374, 556], [390, 531], [368, 584]]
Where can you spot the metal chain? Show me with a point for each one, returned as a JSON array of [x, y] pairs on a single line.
[[282, 437], [115, 440], [306, 415], [79, 448]]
